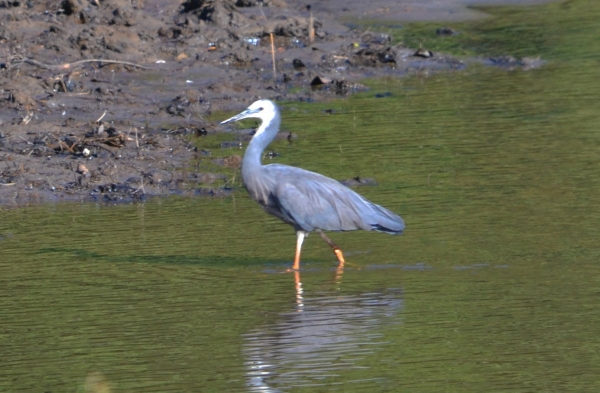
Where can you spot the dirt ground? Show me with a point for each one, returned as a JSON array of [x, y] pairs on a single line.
[[100, 100]]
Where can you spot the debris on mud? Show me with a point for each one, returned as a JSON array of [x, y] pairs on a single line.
[[359, 181], [512, 63]]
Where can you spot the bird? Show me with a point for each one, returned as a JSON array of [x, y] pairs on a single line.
[[308, 201]]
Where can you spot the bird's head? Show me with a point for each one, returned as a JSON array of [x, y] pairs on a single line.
[[264, 110]]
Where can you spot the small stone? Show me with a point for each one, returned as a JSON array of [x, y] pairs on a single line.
[[82, 170]]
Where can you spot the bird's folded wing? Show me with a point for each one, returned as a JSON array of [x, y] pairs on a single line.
[[319, 206]]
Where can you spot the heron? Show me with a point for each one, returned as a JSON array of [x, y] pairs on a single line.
[[308, 201]]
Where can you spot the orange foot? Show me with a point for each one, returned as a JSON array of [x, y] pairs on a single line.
[[340, 257]]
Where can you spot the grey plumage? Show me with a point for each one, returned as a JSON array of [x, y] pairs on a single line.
[[306, 200]]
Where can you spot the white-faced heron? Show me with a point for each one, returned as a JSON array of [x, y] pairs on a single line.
[[306, 200]]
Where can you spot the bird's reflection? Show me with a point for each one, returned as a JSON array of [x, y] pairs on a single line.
[[299, 291], [324, 333], [337, 279]]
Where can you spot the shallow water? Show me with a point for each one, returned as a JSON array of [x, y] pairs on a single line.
[[494, 286]]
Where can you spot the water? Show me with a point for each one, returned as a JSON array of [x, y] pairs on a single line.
[[322, 337], [493, 287]]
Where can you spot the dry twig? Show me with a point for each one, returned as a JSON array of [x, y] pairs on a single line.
[[17, 60], [273, 56]]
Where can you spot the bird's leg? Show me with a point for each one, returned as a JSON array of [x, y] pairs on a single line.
[[336, 250], [299, 239]]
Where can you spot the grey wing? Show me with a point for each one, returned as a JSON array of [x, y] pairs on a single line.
[[311, 201]]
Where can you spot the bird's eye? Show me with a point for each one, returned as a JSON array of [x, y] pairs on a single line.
[[260, 109]]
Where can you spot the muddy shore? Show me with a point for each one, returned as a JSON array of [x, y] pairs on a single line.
[[101, 100]]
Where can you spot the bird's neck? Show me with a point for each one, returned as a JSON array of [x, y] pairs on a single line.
[[265, 134]]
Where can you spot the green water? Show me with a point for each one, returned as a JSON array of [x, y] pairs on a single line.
[[493, 287]]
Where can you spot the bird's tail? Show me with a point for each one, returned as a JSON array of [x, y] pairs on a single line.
[[386, 221]]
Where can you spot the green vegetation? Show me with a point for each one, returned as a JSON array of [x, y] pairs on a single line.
[[556, 31]]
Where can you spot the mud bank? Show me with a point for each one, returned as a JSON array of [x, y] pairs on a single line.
[[101, 100]]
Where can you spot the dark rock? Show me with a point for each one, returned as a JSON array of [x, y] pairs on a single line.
[[444, 31], [374, 56], [238, 59], [221, 13], [298, 65], [122, 17], [70, 7], [424, 53]]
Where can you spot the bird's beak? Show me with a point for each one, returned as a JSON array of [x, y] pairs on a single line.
[[245, 114]]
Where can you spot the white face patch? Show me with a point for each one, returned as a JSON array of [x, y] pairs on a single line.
[[265, 111], [262, 106]]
